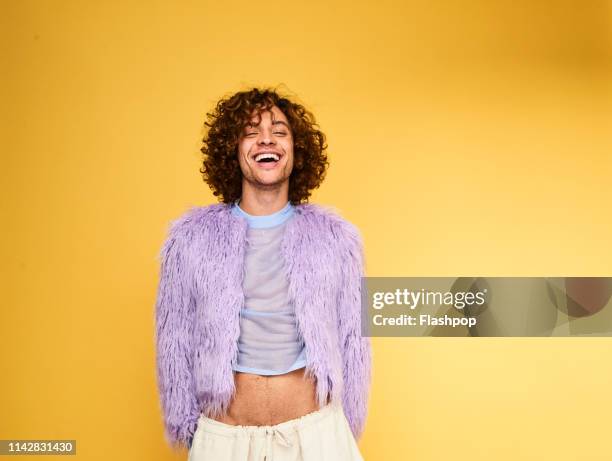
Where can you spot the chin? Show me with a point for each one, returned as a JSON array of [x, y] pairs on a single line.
[[271, 181]]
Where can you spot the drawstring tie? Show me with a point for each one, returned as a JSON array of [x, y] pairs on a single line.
[[282, 438]]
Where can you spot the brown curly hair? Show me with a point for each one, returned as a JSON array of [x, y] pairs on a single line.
[[220, 167]]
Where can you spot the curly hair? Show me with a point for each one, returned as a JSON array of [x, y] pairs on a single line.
[[220, 166]]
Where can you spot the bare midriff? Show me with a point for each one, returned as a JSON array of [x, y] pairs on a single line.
[[269, 400]]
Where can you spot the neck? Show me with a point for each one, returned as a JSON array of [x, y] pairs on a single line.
[[259, 202]]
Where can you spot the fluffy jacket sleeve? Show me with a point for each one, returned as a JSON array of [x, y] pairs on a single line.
[[356, 350], [174, 313]]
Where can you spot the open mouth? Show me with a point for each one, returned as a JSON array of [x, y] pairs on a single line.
[[267, 157]]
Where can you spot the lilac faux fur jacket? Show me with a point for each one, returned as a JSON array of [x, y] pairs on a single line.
[[200, 295]]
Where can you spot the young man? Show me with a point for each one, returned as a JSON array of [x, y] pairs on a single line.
[[258, 314]]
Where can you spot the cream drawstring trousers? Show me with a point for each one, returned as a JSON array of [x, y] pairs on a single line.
[[323, 435]]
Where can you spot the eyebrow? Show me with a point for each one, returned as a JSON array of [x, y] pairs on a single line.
[[275, 122]]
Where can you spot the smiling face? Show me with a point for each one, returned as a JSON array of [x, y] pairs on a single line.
[[265, 151]]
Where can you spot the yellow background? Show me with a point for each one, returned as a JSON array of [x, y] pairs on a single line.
[[465, 138]]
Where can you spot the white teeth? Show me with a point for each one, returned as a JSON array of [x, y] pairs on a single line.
[[263, 155]]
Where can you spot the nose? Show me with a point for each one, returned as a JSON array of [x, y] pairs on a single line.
[[265, 138]]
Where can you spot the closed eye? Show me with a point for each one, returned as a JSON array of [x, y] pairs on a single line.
[[282, 133]]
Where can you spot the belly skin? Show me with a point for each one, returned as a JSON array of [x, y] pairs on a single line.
[[269, 400]]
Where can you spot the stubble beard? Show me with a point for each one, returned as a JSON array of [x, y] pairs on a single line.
[[256, 184]]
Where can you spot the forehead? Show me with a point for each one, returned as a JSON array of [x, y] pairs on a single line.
[[273, 114]]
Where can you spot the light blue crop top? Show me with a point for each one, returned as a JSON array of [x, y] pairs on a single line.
[[268, 342]]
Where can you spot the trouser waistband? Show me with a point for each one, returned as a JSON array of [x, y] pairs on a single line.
[[286, 427]]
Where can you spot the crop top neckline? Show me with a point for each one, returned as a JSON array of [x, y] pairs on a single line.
[[264, 221]]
